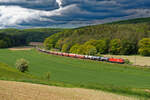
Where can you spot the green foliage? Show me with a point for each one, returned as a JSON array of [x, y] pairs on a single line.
[[144, 51], [48, 75], [65, 47], [75, 48], [144, 47], [81, 50], [89, 50], [3, 44], [127, 61], [5, 40], [59, 44], [22, 65], [85, 49], [91, 42], [15, 37], [10, 73], [99, 36], [48, 43], [144, 43], [115, 46], [127, 47], [102, 46]]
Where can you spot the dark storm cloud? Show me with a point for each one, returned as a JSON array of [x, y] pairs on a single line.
[[72, 13]]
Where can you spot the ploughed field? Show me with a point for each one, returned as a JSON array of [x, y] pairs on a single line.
[[92, 74]]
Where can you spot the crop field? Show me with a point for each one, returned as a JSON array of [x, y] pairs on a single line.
[[84, 73], [11, 90]]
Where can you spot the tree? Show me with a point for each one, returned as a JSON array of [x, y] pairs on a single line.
[[3, 44], [127, 47], [115, 46], [65, 47], [91, 42], [74, 48], [87, 49], [144, 47], [81, 49], [144, 51], [22, 65], [90, 50], [48, 43], [102, 46], [59, 44]]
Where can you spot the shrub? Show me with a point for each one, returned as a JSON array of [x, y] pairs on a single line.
[[48, 75], [127, 61], [22, 65]]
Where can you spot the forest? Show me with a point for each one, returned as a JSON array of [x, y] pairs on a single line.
[[123, 37], [21, 37]]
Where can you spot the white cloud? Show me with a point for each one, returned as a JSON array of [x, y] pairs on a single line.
[[14, 15], [71, 12]]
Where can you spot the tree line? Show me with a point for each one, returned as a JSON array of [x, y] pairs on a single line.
[[16, 37], [124, 39]]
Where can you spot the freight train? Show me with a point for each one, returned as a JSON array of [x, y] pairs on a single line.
[[97, 58]]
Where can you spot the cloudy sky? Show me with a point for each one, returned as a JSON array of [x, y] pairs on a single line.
[[68, 13]]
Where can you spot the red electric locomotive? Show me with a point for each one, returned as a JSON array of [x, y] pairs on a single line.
[[116, 60]]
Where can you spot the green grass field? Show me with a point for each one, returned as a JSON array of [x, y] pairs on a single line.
[[92, 74]]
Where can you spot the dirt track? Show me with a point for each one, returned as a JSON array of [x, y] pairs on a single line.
[[26, 91], [20, 48]]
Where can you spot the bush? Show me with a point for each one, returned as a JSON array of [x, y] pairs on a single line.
[[48, 75], [22, 65], [127, 61]]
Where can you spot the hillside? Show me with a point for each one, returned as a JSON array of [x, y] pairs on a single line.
[[17, 37], [11, 90], [128, 32], [71, 72], [9, 73], [132, 21], [32, 35]]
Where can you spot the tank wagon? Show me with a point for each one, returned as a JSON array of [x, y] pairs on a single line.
[[96, 58]]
